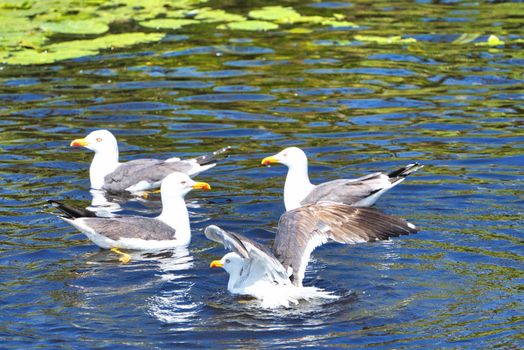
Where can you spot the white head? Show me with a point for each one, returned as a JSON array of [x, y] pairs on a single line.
[[179, 184], [291, 156], [232, 263], [174, 211], [98, 141]]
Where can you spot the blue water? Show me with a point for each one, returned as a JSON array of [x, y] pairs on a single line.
[[354, 109]]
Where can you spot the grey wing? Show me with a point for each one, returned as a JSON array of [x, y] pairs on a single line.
[[250, 250], [149, 170], [131, 227], [347, 191], [228, 239], [303, 229], [130, 173], [187, 166]]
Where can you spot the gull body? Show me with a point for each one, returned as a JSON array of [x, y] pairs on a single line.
[[274, 276], [361, 192], [169, 229], [135, 176]]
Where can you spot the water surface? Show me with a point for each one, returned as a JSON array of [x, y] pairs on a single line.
[[354, 107]]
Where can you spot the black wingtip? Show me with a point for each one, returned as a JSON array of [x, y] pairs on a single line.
[[69, 211], [213, 157], [405, 171], [381, 226]]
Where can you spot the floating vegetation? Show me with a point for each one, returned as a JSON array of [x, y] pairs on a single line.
[[250, 25], [211, 15], [29, 26], [493, 40], [380, 40], [78, 48], [276, 13], [167, 23], [86, 26]]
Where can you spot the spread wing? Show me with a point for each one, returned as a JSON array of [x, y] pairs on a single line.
[[303, 229], [259, 259], [131, 227]]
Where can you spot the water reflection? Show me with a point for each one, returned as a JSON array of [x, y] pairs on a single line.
[[102, 205], [174, 303]]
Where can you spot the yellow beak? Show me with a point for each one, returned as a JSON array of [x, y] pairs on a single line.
[[269, 160], [216, 263], [79, 143], [201, 186]]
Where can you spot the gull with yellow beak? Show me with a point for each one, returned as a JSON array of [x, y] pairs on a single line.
[[361, 192], [135, 176], [274, 276], [168, 230]]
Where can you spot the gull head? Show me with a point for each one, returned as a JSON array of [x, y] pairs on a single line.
[[97, 141], [231, 262], [291, 156], [179, 184]]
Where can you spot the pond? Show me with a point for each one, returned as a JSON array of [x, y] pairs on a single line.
[[364, 87]]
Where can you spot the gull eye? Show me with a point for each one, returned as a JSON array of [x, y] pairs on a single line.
[[228, 261], [98, 139], [184, 182]]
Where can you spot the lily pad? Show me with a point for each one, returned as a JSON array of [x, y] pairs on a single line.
[[250, 25], [337, 24], [33, 41], [79, 48], [385, 40], [275, 13], [167, 23], [15, 24], [16, 4], [211, 15], [176, 14], [89, 26], [300, 31], [281, 14], [29, 57], [107, 42]]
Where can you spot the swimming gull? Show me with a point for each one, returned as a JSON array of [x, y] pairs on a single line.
[[138, 175], [168, 230], [275, 275], [361, 192]]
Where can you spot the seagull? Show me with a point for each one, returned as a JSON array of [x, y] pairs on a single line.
[[274, 276], [361, 192], [168, 230], [135, 176]]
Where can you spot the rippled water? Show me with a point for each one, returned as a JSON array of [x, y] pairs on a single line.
[[354, 108]]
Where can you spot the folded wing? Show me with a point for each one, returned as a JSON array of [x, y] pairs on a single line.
[[136, 227]]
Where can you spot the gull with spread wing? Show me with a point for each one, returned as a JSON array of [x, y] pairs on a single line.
[[275, 275]]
